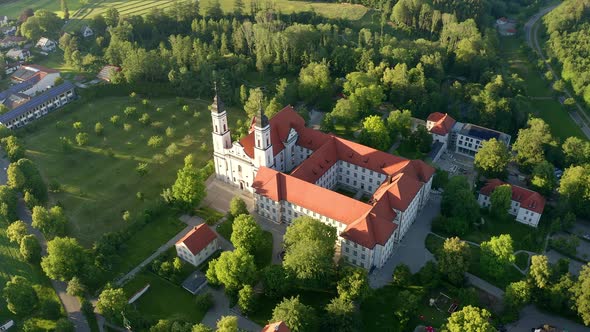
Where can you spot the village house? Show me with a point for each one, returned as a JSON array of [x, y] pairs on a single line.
[[107, 72], [46, 45], [197, 245], [11, 41], [294, 171], [276, 327], [18, 54], [526, 205]]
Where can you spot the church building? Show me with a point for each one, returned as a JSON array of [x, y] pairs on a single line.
[[369, 196]]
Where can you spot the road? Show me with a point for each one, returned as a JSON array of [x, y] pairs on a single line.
[[530, 317], [70, 303], [531, 29]]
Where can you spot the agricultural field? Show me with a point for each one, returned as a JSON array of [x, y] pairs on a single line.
[[12, 265], [117, 171]]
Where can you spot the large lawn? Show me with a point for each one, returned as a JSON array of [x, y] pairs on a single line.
[[12, 265], [99, 181], [555, 114]]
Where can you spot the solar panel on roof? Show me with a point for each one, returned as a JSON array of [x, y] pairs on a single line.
[[482, 133]]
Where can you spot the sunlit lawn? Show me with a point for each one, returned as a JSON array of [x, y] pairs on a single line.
[[99, 181]]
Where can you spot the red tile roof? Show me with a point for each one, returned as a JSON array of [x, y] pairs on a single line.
[[368, 224], [528, 199], [198, 238], [443, 123], [276, 327], [280, 126]]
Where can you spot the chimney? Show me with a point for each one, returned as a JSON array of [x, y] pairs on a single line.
[[389, 179]]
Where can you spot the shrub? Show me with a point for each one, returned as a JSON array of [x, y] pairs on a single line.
[[155, 141], [81, 139], [204, 301]]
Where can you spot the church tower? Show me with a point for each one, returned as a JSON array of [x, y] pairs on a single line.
[[221, 138], [263, 154]]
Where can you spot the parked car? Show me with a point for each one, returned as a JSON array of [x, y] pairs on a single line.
[[586, 236]]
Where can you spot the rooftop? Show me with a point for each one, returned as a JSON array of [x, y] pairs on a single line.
[[36, 101], [276, 327], [528, 199], [198, 238], [443, 123], [483, 133]]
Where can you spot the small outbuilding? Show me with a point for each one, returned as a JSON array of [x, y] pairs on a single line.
[[46, 44]]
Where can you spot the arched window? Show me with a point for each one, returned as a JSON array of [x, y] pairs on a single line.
[[215, 128], [239, 168], [224, 127]]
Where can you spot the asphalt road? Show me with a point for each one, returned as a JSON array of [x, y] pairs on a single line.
[[531, 29], [70, 303]]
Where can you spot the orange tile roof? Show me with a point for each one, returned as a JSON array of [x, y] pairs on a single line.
[[198, 238], [528, 199], [280, 126], [276, 327], [443, 123], [367, 224]]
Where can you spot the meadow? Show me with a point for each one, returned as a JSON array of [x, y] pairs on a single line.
[[116, 171], [537, 88]]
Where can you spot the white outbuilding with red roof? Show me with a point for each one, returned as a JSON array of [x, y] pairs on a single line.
[[197, 245]]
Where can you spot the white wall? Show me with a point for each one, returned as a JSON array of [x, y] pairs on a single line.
[[183, 252]]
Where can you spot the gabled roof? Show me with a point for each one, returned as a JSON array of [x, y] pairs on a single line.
[[280, 125], [276, 327], [528, 199], [367, 224], [106, 71], [36, 101], [443, 123], [43, 41], [198, 238]]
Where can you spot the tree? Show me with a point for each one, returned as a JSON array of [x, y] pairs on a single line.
[[65, 259], [531, 142], [517, 294], [496, 254], [543, 178], [201, 328], [43, 24], [111, 302], [247, 299], [296, 315], [50, 223], [401, 275], [237, 206], [214, 10], [340, 316], [470, 319], [421, 139], [20, 296], [345, 111], [581, 294], [16, 231], [574, 187], [64, 9], [24, 176], [76, 287], [98, 128], [246, 233], [233, 269], [492, 158], [9, 199], [255, 101], [576, 151], [189, 188], [459, 202], [30, 248], [64, 325], [276, 281], [309, 249], [454, 259], [501, 198], [375, 134], [227, 324], [111, 17], [314, 81], [539, 271], [399, 123], [13, 148], [272, 108], [82, 139], [354, 285]]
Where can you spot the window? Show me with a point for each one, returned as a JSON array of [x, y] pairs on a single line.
[[347, 249], [363, 256], [215, 128], [354, 253], [258, 142], [224, 127]]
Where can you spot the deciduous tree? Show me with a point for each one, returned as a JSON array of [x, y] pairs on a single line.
[[227, 324], [501, 198], [111, 302], [543, 178], [496, 254], [539, 271], [233, 269], [65, 259], [30, 248], [314, 81], [454, 259], [340, 316], [354, 285], [492, 158], [20, 296], [296, 315], [247, 299], [374, 133], [237, 206], [517, 294], [581, 294], [189, 188], [531, 142], [470, 319], [16, 231], [246, 233]]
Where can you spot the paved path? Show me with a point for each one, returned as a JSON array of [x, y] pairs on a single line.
[[70, 303], [411, 251], [531, 317], [531, 30], [484, 285], [221, 308]]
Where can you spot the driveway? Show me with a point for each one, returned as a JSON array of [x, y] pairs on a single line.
[[554, 256], [412, 250], [531, 317], [277, 231], [221, 308], [219, 194]]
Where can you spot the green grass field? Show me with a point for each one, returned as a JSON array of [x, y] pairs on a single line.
[[12, 265], [550, 110], [163, 300], [99, 181]]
